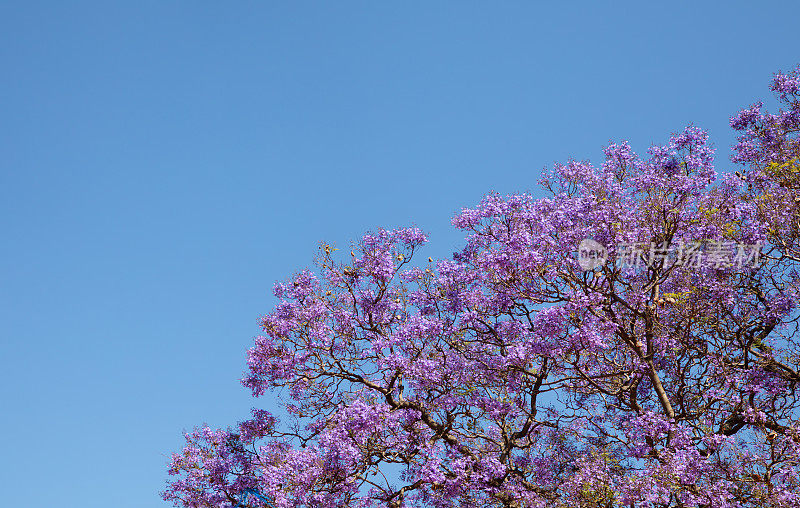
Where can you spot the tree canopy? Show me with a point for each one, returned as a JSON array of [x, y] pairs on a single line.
[[511, 375]]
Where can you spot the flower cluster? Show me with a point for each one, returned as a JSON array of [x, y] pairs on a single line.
[[509, 376]]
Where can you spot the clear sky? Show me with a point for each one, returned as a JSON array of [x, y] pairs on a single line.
[[163, 163]]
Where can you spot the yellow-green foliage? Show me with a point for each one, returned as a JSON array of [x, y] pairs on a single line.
[[787, 173]]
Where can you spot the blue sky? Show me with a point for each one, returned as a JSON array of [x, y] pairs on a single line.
[[162, 164]]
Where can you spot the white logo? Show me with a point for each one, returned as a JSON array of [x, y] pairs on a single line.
[[591, 254]]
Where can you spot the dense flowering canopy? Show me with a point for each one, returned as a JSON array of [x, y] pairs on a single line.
[[508, 376]]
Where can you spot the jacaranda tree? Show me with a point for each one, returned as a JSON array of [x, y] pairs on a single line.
[[660, 370]]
